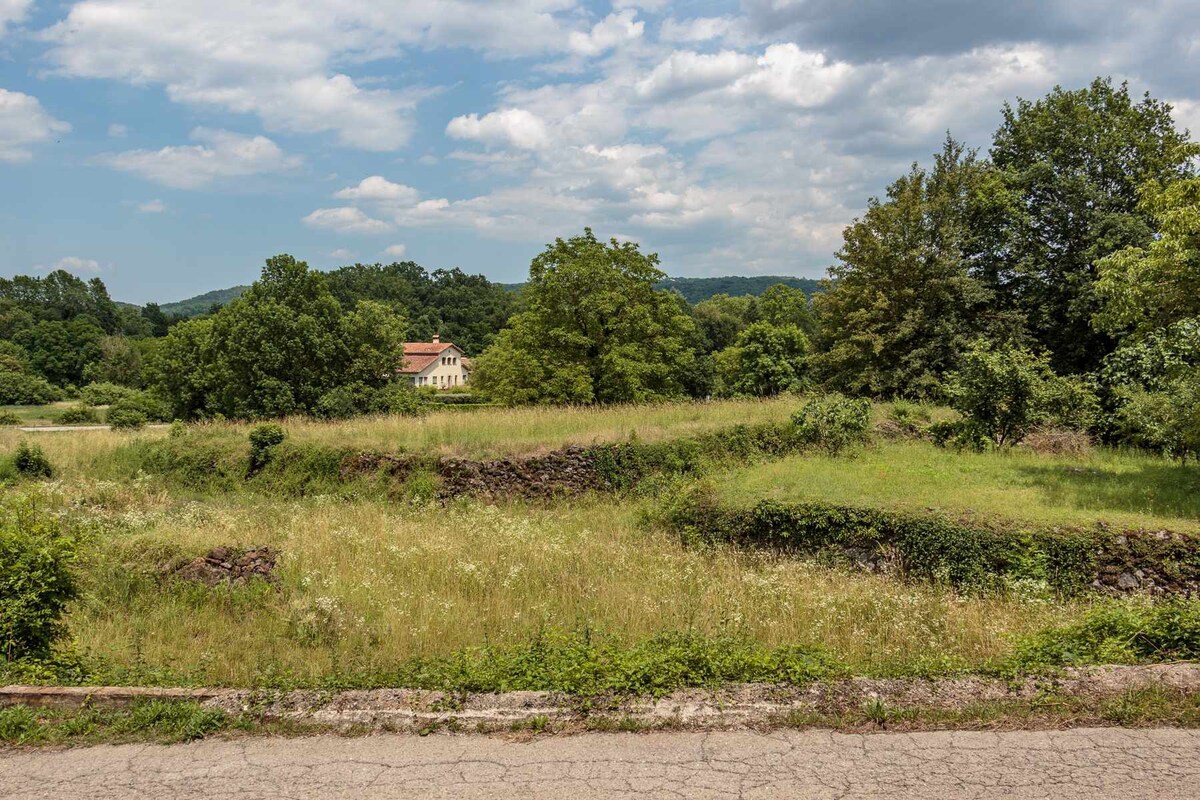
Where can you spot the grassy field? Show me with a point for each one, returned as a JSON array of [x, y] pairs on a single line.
[[484, 433], [367, 585], [38, 415], [1122, 489]]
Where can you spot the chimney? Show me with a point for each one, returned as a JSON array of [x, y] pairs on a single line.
[[437, 338]]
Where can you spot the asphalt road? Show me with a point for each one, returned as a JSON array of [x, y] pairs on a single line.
[[1083, 763]]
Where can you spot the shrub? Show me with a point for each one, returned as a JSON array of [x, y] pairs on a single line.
[[1127, 632], [80, 414], [126, 419], [36, 580], [1166, 421], [354, 399], [263, 439], [30, 460], [9, 418], [833, 422], [104, 394], [153, 408], [22, 389], [1004, 392]]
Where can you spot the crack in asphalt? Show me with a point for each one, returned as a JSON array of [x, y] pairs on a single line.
[[1163, 764]]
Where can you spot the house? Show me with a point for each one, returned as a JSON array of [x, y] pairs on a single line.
[[436, 363]]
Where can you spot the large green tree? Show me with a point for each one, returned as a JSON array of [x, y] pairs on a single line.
[[1145, 289], [902, 303], [595, 330], [278, 349], [766, 360], [1075, 160]]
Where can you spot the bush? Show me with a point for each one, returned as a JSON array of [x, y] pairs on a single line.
[[1167, 421], [105, 394], [126, 419], [36, 580], [1128, 632], [833, 422], [1004, 392], [80, 414], [22, 389], [263, 439], [30, 461], [355, 399], [148, 405], [9, 418]]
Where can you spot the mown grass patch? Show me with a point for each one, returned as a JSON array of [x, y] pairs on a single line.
[[1122, 489]]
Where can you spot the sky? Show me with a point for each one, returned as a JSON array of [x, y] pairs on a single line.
[[170, 146]]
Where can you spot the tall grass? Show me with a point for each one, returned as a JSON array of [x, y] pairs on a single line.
[[367, 586], [487, 433], [1124, 489]]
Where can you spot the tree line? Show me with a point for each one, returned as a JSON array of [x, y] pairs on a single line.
[[1063, 263]]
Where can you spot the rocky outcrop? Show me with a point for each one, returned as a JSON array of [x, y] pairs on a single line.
[[569, 471], [227, 565]]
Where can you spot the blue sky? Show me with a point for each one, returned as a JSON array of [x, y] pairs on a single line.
[[169, 146]]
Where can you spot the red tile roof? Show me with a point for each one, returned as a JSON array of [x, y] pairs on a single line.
[[419, 355]]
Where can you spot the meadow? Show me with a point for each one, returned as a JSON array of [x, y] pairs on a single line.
[[373, 590]]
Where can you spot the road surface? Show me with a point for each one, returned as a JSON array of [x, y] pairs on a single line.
[[1085, 763]]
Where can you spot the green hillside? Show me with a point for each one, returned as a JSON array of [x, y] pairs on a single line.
[[202, 303]]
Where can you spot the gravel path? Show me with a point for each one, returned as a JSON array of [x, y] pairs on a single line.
[[1081, 763]]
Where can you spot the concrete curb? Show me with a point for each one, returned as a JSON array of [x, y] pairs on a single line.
[[69, 697], [744, 705]]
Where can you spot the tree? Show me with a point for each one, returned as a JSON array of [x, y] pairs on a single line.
[[278, 349], [1076, 159], [781, 304], [902, 305], [721, 318], [1145, 289], [767, 360], [120, 362], [1003, 392], [595, 330], [61, 351]]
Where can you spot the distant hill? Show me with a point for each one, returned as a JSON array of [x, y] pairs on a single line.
[[693, 289], [201, 303]]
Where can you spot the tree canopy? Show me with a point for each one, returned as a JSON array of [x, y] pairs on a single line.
[[595, 330]]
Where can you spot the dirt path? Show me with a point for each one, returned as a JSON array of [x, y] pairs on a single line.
[[1081, 763]]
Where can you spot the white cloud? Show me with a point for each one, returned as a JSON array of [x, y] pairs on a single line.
[[1187, 114], [798, 77], [286, 60], [118, 131], [23, 123], [613, 30], [376, 187], [345, 219], [685, 72], [341, 253], [395, 251], [220, 154], [698, 29], [12, 12], [73, 264], [152, 207], [515, 127]]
